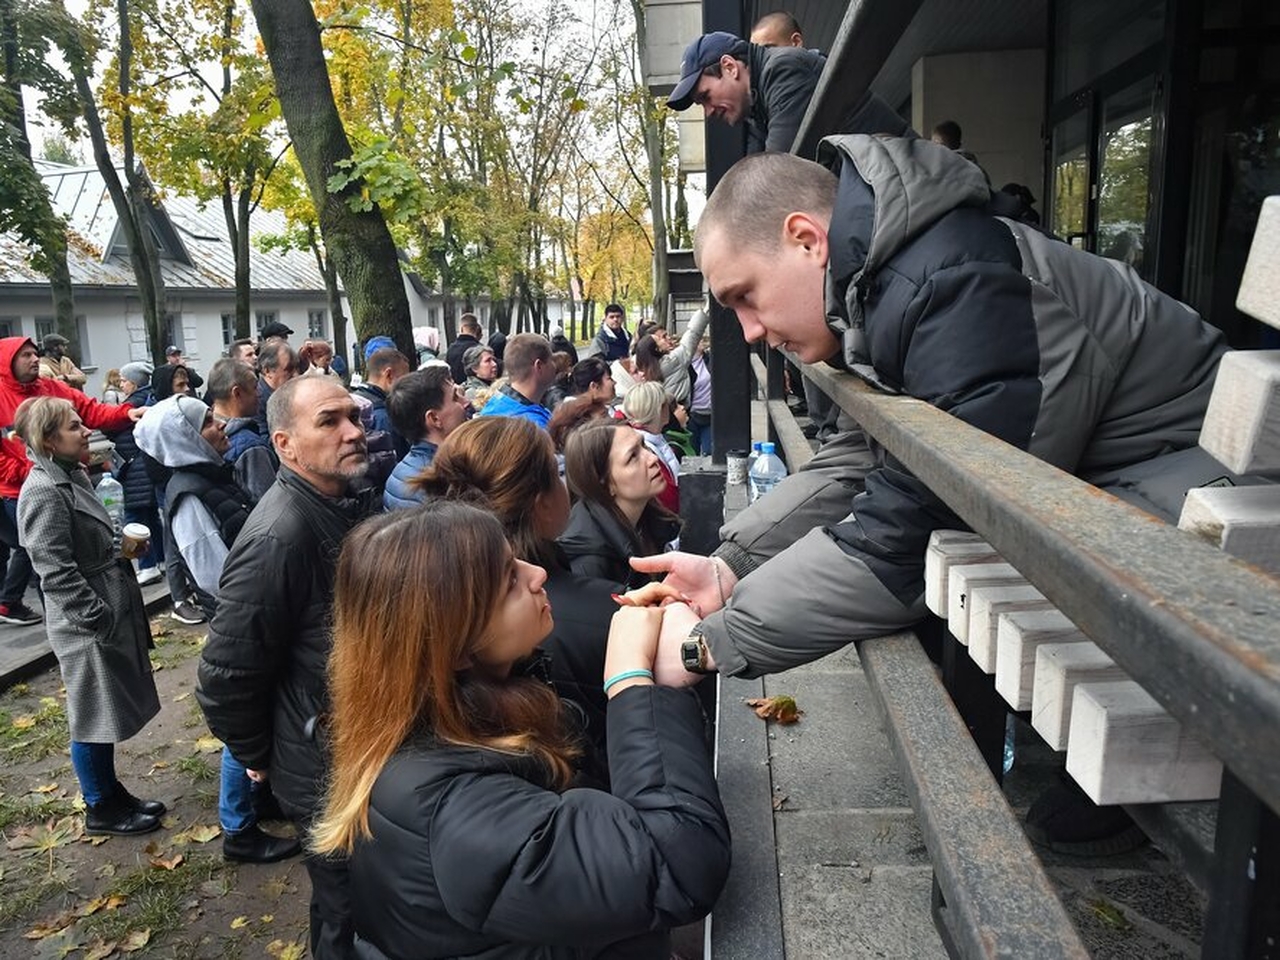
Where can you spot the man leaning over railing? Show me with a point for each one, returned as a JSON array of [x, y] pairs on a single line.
[[891, 262]]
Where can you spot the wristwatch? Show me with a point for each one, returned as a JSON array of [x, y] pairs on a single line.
[[693, 652]]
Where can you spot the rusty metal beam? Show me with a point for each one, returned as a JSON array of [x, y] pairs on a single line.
[[999, 902], [1197, 628]]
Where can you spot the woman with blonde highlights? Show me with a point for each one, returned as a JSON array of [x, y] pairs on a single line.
[[451, 768]]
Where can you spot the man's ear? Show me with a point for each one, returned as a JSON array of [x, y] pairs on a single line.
[[806, 232], [280, 440]]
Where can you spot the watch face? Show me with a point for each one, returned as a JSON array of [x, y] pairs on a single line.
[[690, 655]]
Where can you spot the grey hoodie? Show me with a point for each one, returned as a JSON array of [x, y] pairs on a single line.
[[169, 432]]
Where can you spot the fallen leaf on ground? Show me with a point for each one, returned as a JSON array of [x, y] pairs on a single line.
[[45, 788], [1110, 915], [47, 928], [286, 950], [94, 841], [779, 801], [208, 744], [136, 940], [182, 696], [239, 922], [99, 950], [158, 629], [158, 765], [267, 917], [167, 863], [24, 722], [201, 833], [783, 709], [45, 837]]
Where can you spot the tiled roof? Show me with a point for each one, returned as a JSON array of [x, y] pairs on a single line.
[[80, 195]]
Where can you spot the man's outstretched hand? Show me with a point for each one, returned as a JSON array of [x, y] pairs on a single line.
[[703, 582]]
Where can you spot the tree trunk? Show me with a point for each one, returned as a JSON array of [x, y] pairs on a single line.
[[651, 124], [339, 320], [235, 210], [39, 224], [358, 242]]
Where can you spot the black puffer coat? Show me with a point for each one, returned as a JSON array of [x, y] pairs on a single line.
[[599, 546], [262, 671], [472, 856]]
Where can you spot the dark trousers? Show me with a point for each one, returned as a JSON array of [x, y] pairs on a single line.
[[19, 573], [332, 932]]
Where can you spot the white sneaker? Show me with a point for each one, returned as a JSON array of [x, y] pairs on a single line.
[[149, 575]]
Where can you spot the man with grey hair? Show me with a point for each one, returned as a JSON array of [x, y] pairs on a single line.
[[232, 394], [262, 671], [277, 364]]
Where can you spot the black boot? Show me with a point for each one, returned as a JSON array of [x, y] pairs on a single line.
[[116, 817], [154, 808], [251, 845]]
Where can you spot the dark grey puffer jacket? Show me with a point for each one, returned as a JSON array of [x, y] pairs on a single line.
[[1064, 354], [473, 856]]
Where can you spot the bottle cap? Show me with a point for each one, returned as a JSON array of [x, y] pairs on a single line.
[[767, 447]]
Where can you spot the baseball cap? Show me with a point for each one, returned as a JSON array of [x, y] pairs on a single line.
[[276, 329], [377, 343], [699, 55], [171, 349]]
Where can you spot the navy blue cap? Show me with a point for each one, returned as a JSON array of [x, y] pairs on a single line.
[[699, 55]]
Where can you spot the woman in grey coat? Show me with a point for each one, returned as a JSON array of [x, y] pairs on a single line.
[[96, 620]]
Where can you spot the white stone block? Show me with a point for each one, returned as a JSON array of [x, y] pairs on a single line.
[[986, 604], [1242, 425], [1124, 748], [1019, 634], [1260, 285], [962, 579], [946, 549], [1242, 521], [1060, 668]]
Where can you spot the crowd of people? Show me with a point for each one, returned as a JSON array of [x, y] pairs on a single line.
[[412, 587], [451, 632]]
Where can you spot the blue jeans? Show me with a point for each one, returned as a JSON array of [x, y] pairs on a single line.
[[95, 767], [235, 796], [699, 427]]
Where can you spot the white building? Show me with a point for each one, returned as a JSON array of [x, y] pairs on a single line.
[[199, 276]]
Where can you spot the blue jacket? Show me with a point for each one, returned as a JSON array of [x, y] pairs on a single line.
[[397, 495], [505, 405]]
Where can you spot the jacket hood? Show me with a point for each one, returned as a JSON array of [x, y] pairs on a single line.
[[168, 434], [892, 189], [9, 347]]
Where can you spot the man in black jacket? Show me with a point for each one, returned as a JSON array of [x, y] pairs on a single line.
[[768, 88], [262, 672], [468, 337]]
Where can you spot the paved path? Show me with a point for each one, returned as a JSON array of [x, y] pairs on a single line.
[[25, 650]]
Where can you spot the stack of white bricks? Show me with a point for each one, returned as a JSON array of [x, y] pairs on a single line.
[[1121, 745]]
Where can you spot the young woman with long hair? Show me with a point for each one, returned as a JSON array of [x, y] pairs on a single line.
[[615, 480], [449, 789], [507, 466]]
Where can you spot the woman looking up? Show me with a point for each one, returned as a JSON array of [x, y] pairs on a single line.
[[450, 789], [97, 623], [615, 480]]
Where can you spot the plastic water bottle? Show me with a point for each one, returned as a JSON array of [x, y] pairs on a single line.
[[751, 462], [111, 493], [766, 471]]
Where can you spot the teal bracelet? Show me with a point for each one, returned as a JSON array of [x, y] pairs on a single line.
[[627, 675]]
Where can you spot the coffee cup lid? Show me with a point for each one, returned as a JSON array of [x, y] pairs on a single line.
[[138, 531]]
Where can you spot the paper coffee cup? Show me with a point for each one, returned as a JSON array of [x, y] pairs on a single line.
[[736, 467], [135, 540]]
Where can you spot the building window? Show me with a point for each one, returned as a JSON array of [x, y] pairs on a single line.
[[44, 327], [82, 331], [10, 326], [173, 331], [228, 329], [316, 324], [264, 317], [433, 316]]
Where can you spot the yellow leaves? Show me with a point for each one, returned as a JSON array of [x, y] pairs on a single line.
[[200, 833], [156, 858], [208, 744], [286, 950], [781, 709], [90, 907], [239, 922], [136, 940], [100, 949], [24, 722], [44, 838], [46, 788]]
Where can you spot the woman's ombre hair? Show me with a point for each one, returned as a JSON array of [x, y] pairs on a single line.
[[414, 593]]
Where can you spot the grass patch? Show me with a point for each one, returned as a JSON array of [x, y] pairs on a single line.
[[154, 898], [197, 768], [27, 888], [194, 717], [32, 808], [171, 647], [28, 737]]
